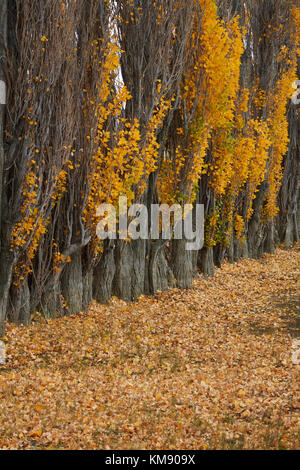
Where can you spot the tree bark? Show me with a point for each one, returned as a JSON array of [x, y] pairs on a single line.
[[19, 304], [104, 274], [72, 284], [3, 274]]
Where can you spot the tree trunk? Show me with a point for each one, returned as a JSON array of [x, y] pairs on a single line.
[[288, 227], [269, 243], [104, 274], [129, 280], [159, 274], [50, 304], [206, 262], [255, 233], [87, 294], [72, 284], [4, 287], [6, 273], [19, 304], [182, 264]]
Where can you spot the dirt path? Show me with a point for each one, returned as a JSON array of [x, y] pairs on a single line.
[[208, 367]]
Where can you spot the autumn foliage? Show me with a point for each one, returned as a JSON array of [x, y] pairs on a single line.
[[161, 102]]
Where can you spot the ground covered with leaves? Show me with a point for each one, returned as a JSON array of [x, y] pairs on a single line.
[[204, 368]]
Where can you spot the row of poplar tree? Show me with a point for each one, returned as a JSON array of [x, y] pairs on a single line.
[[161, 101]]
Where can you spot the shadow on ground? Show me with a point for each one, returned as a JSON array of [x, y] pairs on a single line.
[[290, 308]]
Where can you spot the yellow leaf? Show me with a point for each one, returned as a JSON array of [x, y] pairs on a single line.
[[36, 433]]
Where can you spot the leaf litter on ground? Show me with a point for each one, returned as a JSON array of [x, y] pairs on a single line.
[[203, 368]]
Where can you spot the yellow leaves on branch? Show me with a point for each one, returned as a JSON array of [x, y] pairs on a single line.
[[239, 226], [296, 20], [209, 92], [123, 157], [60, 260], [28, 232], [278, 125], [277, 120]]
